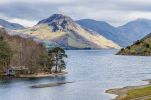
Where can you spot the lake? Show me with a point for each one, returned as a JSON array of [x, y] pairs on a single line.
[[91, 71]]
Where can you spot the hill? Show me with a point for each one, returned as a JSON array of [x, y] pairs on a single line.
[[140, 47]]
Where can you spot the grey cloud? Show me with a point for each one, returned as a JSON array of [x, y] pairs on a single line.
[[27, 10], [108, 10]]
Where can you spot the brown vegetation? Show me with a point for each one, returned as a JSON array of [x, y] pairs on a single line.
[[27, 56], [26, 52]]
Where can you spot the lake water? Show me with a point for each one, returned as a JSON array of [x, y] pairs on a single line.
[[92, 72]]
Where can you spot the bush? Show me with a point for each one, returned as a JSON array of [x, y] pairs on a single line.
[[147, 45], [137, 42], [122, 49], [128, 47]]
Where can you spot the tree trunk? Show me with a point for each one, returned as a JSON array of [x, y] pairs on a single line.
[[60, 70], [56, 69]]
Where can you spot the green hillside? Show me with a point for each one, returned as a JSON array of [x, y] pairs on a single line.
[[140, 47]]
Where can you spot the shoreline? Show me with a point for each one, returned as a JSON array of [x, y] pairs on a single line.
[[37, 75], [122, 92], [42, 75]]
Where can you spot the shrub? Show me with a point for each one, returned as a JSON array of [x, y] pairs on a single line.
[[122, 49], [128, 47], [147, 45], [137, 42]]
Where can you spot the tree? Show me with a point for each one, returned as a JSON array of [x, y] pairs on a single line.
[[49, 65], [62, 65], [128, 47], [122, 49], [5, 54], [147, 45], [137, 42], [57, 56], [22, 52]]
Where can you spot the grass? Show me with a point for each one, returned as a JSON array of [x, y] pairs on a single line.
[[136, 93]]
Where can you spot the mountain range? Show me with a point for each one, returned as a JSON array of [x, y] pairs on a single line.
[[105, 29], [135, 30], [61, 30], [123, 35]]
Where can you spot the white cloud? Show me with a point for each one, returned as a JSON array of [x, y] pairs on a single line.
[[26, 23], [140, 15]]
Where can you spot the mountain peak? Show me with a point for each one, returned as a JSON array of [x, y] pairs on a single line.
[[54, 17], [59, 22]]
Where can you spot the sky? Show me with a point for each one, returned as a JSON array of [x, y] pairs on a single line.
[[115, 12]]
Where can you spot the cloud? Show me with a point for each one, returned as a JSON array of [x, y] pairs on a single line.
[[26, 23], [33, 1], [115, 12]]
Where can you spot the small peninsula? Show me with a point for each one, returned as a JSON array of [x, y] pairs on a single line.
[[142, 92]]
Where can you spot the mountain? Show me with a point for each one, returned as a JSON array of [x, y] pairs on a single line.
[[9, 25], [140, 47], [61, 30], [124, 35], [135, 30], [105, 29]]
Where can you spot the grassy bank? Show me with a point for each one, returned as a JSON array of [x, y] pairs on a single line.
[[133, 92], [139, 94]]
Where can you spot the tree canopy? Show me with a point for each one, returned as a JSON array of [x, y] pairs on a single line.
[[57, 56], [5, 54]]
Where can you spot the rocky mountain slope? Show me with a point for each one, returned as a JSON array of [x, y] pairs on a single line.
[[61, 30]]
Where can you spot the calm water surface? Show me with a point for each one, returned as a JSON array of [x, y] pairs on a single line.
[[92, 72]]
